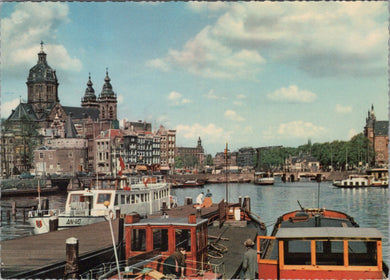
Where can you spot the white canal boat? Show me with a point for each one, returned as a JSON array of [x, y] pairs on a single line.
[[355, 181], [83, 207], [263, 178]]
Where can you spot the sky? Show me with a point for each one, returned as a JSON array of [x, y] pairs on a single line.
[[252, 74]]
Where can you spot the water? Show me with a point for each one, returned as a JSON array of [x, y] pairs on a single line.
[[369, 207]]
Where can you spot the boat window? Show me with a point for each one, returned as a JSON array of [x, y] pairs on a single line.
[[76, 198], [362, 253], [103, 197], [138, 240], [183, 239], [160, 239], [123, 199], [132, 198], [329, 253], [116, 199], [297, 252], [142, 197], [128, 199]]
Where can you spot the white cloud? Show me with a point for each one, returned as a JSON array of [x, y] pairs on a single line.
[[211, 95], [294, 130], [7, 107], [292, 95], [209, 133], [197, 6], [158, 64], [319, 38], [351, 133], [26, 27], [176, 99], [233, 116], [343, 109]]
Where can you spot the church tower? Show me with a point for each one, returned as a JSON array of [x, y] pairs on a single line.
[[89, 100], [108, 101], [42, 86]]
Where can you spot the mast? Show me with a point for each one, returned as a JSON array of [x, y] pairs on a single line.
[[226, 173]]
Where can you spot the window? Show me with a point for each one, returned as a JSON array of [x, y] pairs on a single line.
[[138, 240], [160, 239], [362, 253], [329, 253], [297, 252], [183, 238], [102, 197]]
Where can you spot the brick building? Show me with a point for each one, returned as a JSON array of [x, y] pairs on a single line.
[[378, 134]]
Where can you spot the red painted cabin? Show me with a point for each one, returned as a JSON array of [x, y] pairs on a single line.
[[163, 235]]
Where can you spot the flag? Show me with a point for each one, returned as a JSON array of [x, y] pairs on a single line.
[[122, 166]]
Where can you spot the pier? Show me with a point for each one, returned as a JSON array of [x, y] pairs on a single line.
[[44, 256]]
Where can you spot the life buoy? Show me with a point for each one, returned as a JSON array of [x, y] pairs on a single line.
[[38, 223]]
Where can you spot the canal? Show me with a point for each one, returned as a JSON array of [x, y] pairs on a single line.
[[369, 206]]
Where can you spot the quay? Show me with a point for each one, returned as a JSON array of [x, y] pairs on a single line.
[[44, 256]]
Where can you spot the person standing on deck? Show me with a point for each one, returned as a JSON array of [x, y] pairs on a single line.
[[249, 265], [199, 198], [175, 263]]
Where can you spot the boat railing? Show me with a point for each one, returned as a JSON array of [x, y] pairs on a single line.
[[43, 213], [85, 212]]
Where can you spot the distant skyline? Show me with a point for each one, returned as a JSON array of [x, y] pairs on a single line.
[[250, 73]]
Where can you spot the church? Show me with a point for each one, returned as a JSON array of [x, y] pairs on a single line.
[[44, 116]]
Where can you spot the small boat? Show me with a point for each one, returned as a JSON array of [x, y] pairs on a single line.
[[145, 196], [263, 178], [189, 184], [320, 244], [355, 181], [381, 177], [213, 240]]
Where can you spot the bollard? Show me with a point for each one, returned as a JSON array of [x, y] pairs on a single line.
[[72, 259], [247, 203], [53, 224], [188, 200], [13, 206]]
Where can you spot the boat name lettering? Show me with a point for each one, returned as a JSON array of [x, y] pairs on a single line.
[[73, 222]]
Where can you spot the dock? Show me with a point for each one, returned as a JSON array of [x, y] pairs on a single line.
[[44, 256]]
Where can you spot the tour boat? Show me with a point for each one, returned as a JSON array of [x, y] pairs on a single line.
[[263, 178], [320, 244], [83, 207], [355, 181], [213, 240]]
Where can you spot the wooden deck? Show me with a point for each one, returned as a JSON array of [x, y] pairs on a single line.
[[36, 252]]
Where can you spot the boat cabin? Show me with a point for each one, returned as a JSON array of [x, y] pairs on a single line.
[[163, 235], [322, 252]]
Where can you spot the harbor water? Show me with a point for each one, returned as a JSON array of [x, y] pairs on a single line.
[[368, 206]]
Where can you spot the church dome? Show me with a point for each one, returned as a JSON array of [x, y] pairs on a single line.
[[107, 87], [89, 91], [42, 72]]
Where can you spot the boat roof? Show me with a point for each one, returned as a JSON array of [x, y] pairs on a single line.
[[329, 233], [166, 220], [323, 221]]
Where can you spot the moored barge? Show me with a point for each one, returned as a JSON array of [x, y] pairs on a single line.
[[321, 244]]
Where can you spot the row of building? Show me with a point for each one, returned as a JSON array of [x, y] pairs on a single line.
[[43, 136]]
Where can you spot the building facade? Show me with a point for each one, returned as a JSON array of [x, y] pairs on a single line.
[[378, 134], [29, 123]]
